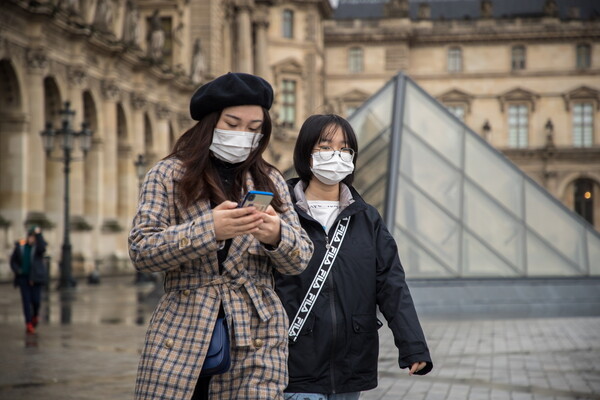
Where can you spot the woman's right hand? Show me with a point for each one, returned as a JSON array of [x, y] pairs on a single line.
[[231, 221]]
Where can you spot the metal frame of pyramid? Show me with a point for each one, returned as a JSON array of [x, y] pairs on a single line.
[[456, 205]]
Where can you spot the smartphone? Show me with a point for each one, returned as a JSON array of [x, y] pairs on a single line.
[[258, 199]]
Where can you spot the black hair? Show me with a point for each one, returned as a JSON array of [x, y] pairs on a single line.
[[315, 128]]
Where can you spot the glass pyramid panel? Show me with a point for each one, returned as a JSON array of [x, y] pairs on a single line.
[[481, 261], [505, 236], [430, 173], [372, 124], [457, 206], [421, 262]]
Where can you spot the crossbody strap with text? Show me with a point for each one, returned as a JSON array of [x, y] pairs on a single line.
[[317, 284]]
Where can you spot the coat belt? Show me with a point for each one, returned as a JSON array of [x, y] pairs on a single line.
[[234, 304]]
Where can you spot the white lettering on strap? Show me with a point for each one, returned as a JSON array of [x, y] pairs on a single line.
[[318, 281]]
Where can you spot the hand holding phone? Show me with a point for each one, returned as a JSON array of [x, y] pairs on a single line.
[[258, 199]]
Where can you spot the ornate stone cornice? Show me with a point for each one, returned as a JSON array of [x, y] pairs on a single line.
[[582, 93], [162, 111], [456, 96], [518, 95], [110, 89], [138, 101], [37, 58], [76, 75]]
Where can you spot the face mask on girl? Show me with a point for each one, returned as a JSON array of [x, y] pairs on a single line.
[[234, 146], [331, 171]]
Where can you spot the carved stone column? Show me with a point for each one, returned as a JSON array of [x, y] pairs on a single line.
[[76, 77], [261, 22], [37, 62], [244, 62], [161, 145], [111, 93]]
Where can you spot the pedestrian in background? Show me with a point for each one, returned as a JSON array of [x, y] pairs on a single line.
[[27, 263], [334, 345], [218, 259]]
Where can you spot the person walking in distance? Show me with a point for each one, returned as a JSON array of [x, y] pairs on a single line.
[[332, 305], [27, 263]]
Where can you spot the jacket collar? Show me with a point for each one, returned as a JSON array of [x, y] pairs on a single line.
[[348, 195]]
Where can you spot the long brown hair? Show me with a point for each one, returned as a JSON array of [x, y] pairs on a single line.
[[201, 180]]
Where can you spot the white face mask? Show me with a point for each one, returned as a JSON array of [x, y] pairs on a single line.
[[332, 171], [234, 146]]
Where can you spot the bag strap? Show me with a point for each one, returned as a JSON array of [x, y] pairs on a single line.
[[317, 284]]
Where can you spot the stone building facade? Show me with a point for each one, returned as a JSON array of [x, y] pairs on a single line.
[[526, 76], [128, 67]]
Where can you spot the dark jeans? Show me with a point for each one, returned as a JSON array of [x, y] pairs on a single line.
[[31, 295]]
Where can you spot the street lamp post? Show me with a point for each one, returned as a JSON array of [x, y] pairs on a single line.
[[66, 137]]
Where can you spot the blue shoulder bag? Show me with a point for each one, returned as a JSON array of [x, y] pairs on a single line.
[[218, 358]]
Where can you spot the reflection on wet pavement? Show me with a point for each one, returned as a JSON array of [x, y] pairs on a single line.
[[88, 344]]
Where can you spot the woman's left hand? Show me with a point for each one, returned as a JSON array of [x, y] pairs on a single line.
[[416, 367], [269, 232]]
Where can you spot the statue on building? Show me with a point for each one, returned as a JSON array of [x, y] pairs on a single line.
[[156, 38], [551, 8], [197, 70], [131, 31], [104, 15], [486, 9], [396, 9]]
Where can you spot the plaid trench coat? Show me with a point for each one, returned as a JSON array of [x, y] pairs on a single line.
[[180, 242]]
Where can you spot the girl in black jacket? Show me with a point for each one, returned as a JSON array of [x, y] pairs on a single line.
[[334, 349], [27, 263]]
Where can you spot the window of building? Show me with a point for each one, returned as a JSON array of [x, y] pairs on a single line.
[[288, 24], [583, 124], [584, 56], [454, 59], [355, 59], [518, 58], [518, 125], [584, 199], [457, 110], [288, 104]]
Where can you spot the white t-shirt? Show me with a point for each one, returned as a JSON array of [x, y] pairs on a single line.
[[324, 211]]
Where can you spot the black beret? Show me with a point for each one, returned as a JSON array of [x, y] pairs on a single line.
[[232, 89]]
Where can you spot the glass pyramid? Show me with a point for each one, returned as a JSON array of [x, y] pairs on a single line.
[[456, 206]]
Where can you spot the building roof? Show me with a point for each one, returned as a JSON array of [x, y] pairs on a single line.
[[467, 9]]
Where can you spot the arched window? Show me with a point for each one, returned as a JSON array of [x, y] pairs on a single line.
[[288, 24], [355, 59], [584, 199], [454, 59], [518, 58]]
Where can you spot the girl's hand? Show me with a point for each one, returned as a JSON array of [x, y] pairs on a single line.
[[231, 221], [416, 367], [269, 232]]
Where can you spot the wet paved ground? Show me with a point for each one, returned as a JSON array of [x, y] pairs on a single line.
[[88, 344]]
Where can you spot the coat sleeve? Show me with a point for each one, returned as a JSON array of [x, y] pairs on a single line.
[[295, 249], [396, 304], [40, 245], [15, 260], [155, 243]]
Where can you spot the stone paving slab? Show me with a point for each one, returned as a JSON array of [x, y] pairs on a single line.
[[88, 344]]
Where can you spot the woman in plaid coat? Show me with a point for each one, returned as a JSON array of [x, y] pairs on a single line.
[[217, 258]]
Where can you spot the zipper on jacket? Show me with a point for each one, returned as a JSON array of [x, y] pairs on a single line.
[[333, 336]]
